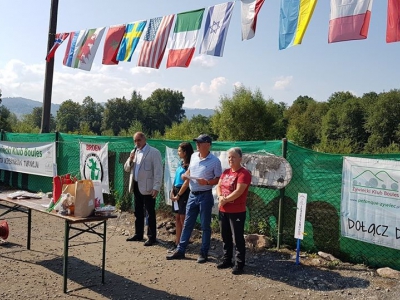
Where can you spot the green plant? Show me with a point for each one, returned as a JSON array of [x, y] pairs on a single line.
[[262, 227], [215, 224]]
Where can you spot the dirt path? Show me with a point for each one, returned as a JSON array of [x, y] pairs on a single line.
[[137, 272]]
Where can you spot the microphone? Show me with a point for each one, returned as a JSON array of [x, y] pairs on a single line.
[[134, 150]]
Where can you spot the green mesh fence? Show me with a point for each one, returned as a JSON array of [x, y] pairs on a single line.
[[317, 174]]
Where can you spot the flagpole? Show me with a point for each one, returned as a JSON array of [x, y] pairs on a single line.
[[48, 80]]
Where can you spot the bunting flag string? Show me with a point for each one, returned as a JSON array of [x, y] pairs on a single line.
[[349, 20]]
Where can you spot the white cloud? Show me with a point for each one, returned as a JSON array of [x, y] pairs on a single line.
[[20, 80], [283, 83], [206, 95], [213, 88], [237, 84], [148, 88], [204, 61], [142, 70]]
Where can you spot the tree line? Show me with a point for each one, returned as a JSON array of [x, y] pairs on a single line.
[[343, 124]]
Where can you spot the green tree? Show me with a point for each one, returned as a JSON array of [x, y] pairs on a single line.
[[382, 122], [343, 128], [304, 121], [163, 108], [68, 117], [117, 115], [31, 123], [246, 116], [5, 114], [189, 129], [92, 115], [339, 98]]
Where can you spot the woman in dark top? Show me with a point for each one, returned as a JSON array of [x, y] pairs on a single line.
[[180, 190]]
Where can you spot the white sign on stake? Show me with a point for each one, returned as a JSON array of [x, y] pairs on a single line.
[[300, 216]]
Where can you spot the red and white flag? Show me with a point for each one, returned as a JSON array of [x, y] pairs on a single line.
[[155, 41], [111, 44], [393, 21], [349, 20], [59, 39], [250, 10]]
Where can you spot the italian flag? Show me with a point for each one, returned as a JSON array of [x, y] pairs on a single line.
[[184, 38]]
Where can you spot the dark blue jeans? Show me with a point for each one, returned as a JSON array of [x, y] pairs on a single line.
[[198, 204]]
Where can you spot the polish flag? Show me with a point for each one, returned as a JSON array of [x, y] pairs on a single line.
[[349, 20], [250, 10]]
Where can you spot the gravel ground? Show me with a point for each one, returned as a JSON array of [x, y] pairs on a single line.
[[137, 272]]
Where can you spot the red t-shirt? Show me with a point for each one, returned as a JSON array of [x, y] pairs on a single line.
[[229, 180]]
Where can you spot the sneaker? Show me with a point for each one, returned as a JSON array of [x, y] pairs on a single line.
[[176, 255], [202, 258], [237, 270], [225, 265]]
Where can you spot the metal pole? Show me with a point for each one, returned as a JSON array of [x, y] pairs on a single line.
[[103, 263], [65, 258], [48, 80], [281, 199]]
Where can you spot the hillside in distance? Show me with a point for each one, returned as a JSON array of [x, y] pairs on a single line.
[[22, 106]]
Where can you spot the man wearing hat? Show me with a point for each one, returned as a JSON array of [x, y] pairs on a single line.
[[203, 173]]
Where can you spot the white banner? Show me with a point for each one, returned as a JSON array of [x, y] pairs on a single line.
[[30, 158], [94, 164], [370, 209]]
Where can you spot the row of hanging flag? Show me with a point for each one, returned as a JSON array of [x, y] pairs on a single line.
[[349, 20]]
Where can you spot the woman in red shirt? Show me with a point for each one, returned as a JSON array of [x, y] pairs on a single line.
[[232, 192]]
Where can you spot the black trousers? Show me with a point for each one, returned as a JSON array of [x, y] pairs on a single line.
[[142, 203], [232, 230]]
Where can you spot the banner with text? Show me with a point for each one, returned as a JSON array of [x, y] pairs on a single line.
[[370, 208], [31, 158], [94, 164]]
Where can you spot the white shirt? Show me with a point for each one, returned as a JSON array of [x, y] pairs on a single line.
[[139, 157]]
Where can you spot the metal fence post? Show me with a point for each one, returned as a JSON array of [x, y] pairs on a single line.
[[281, 199]]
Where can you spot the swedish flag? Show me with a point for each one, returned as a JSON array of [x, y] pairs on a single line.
[[133, 32]]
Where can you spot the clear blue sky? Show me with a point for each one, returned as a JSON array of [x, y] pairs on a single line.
[[315, 68]]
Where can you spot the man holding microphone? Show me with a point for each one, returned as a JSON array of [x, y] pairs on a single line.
[[145, 167]]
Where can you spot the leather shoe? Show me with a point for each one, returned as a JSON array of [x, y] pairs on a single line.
[[225, 265], [176, 255], [237, 270], [149, 243], [202, 258], [134, 238]]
